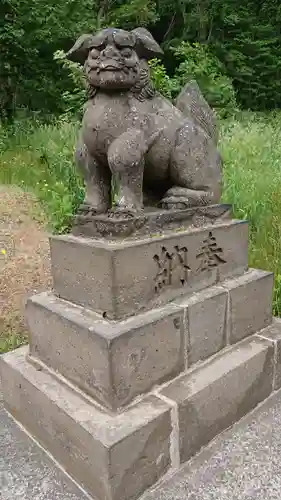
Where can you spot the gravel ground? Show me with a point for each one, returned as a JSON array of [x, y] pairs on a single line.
[[24, 260]]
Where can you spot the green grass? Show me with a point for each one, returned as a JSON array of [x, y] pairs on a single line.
[[11, 341], [40, 157], [251, 148]]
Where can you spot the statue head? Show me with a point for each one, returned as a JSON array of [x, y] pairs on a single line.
[[114, 58]]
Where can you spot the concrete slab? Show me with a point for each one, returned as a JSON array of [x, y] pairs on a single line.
[[244, 463], [113, 457], [26, 471]]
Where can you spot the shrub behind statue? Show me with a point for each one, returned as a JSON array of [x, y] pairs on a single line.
[[166, 155]]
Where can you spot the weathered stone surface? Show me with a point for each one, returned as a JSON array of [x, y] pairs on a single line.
[[206, 319], [250, 303], [134, 137], [113, 362], [146, 223], [273, 333], [26, 471], [118, 279], [217, 394], [244, 463], [113, 457]]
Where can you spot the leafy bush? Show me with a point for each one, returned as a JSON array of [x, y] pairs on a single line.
[[197, 62], [161, 80], [74, 100]]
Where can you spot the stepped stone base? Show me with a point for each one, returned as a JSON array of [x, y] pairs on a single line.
[[120, 456], [116, 361], [145, 350]]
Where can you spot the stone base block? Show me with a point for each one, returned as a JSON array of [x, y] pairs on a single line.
[[206, 316], [112, 362], [213, 396], [250, 303], [112, 457], [117, 457], [273, 333], [227, 313], [150, 221], [121, 278]]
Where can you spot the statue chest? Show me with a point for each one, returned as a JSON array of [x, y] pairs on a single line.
[[106, 119]]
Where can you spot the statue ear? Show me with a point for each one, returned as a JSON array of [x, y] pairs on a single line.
[[80, 50], [146, 46]]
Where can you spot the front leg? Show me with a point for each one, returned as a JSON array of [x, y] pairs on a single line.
[[126, 159], [97, 180], [126, 162]]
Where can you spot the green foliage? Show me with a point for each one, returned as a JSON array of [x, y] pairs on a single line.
[[225, 42], [12, 341], [250, 47], [74, 100], [132, 13], [31, 31], [197, 62], [161, 80]]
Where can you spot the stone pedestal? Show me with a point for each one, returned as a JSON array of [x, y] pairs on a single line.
[[146, 349]]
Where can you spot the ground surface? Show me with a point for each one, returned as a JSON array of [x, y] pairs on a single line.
[[25, 264], [26, 472], [242, 464]]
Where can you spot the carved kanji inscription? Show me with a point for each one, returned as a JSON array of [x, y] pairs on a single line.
[[168, 263], [173, 267], [210, 255]]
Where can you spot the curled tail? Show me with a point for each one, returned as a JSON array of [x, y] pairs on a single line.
[[193, 105]]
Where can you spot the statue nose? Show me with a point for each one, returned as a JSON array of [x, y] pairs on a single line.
[[110, 51]]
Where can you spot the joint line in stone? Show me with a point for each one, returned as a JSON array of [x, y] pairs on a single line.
[[186, 337], [175, 434], [275, 354], [228, 324]]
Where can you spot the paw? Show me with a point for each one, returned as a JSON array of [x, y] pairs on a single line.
[[176, 201], [178, 198], [87, 209], [122, 213], [171, 203]]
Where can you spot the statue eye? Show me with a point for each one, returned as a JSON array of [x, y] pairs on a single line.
[[126, 52]]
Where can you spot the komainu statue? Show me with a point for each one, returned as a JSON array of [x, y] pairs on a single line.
[[156, 153]]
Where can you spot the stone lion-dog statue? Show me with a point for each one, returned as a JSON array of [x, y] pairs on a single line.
[[135, 138]]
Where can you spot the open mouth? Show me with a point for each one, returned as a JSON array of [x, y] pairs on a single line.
[[109, 67]]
